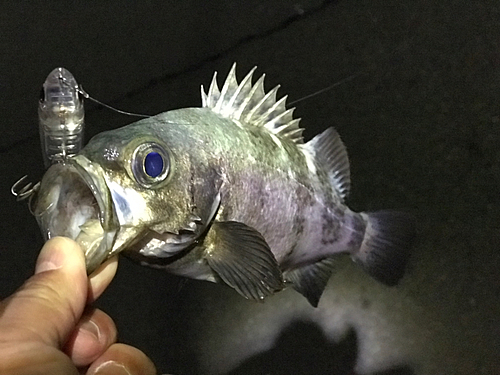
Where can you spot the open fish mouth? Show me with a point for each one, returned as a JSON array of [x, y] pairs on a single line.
[[74, 201]]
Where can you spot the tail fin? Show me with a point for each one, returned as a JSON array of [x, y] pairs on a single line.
[[385, 249]]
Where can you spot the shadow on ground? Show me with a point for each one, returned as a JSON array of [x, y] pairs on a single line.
[[292, 354]]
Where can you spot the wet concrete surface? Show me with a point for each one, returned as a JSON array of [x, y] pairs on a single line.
[[421, 124]]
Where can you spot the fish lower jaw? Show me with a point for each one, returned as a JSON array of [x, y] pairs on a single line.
[[70, 205], [90, 237], [95, 243]]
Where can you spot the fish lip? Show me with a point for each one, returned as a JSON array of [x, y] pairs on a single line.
[[73, 200], [93, 175]]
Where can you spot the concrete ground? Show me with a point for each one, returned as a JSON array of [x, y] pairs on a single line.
[[422, 128]]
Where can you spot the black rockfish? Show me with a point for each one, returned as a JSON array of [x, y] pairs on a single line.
[[228, 192]]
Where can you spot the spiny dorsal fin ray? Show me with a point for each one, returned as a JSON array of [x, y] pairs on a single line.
[[227, 92], [239, 98], [329, 151], [254, 96], [210, 99], [251, 105]]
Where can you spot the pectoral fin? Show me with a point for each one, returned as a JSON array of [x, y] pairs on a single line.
[[242, 258], [310, 280]]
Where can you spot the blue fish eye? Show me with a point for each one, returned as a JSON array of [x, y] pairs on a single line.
[[153, 164], [150, 164]]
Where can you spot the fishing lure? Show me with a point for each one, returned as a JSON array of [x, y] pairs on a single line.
[[61, 116], [61, 119]]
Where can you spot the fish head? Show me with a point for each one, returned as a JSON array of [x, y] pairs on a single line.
[[128, 188]]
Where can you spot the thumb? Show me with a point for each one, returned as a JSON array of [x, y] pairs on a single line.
[[50, 303]]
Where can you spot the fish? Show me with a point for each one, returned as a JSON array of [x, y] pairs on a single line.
[[229, 192]]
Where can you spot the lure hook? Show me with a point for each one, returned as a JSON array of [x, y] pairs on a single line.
[[22, 191]]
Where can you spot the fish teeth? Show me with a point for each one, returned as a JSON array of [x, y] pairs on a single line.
[[196, 219], [90, 226], [191, 227]]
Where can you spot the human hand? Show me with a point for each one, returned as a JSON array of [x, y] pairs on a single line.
[[47, 327]]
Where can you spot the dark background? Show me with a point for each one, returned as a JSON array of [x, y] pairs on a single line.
[[422, 127]]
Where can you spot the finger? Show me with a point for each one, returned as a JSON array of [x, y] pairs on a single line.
[[49, 304], [100, 278], [94, 334], [122, 359], [28, 358]]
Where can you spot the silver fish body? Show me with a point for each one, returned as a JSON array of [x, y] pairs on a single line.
[[227, 193]]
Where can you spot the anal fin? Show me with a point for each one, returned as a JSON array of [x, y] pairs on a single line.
[[311, 280], [243, 260]]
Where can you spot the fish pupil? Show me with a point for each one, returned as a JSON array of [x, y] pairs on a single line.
[[153, 164]]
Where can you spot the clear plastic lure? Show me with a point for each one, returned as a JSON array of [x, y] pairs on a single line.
[[61, 122], [61, 117]]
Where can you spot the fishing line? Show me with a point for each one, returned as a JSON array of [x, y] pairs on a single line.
[[86, 95], [404, 45], [338, 83]]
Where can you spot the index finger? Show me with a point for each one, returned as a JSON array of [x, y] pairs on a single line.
[[100, 279]]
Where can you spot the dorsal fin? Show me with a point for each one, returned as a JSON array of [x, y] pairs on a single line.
[[251, 105], [329, 151]]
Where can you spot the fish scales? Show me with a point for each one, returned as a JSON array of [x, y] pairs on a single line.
[[267, 184], [228, 193]]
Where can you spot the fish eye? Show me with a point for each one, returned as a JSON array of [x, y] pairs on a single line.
[[153, 164], [150, 164]]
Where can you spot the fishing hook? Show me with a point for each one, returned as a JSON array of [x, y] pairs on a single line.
[[23, 192]]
